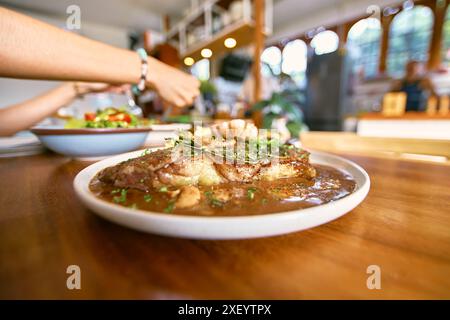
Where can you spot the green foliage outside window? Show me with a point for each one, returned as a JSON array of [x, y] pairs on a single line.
[[446, 40], [363, 43], [409, 38]]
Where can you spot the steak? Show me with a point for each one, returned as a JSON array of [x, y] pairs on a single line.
[[171, 167]]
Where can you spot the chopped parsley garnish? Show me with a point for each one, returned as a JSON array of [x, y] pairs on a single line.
[[243, 150], [122, 198], [170, 207], [148, 198], [251, 193], [115, 191], [216, 203], [208, 194], [163, 189], [145, 152], [213, 201]]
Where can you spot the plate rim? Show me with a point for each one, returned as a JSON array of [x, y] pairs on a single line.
[[43, 131]]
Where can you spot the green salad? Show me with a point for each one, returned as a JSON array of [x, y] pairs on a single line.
[[106, 118]]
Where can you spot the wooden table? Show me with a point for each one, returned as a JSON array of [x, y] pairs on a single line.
[[403, 227], [350, 142]]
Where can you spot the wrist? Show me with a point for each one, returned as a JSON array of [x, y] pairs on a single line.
[[69, 90], [80, 89], [140, 86], [150, 79]]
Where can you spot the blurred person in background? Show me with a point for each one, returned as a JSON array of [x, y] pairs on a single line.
[[417, 86]]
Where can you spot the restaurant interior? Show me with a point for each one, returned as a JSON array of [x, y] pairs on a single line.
[[366, 80]]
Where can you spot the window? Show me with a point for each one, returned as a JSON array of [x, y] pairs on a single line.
[[272, 57], [325, 42], [294, 60], [409, 38], [201, 69], [446, 40], [363, 43]]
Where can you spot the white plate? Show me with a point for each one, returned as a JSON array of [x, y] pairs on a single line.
[[18, 146], [240, 227], [161, 132], [171, 127]]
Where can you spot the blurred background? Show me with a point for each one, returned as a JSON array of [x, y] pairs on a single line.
[[324, 65]]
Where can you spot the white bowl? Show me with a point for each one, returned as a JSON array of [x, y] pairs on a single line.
[[239, 227], [88, 143]]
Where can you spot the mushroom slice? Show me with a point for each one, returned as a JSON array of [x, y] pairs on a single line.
[[189, 196], [222, 195]]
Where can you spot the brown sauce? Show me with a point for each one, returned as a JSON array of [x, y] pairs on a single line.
[[239, 199]]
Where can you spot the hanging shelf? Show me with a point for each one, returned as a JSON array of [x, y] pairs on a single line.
[[209, 24]]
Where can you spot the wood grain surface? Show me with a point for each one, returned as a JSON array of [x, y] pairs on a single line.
[[403, 227], [350, 142]]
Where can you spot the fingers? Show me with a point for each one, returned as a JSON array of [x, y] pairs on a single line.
[[121, 88], [179, 102], [176, 102], [115, 90], [174, 86], [186, 93], [183, 101], [90, 87]]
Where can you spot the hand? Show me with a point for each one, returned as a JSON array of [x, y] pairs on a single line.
[[82, 88], [175, 87]]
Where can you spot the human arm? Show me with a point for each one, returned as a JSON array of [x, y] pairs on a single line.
[[22, 116], [35, 50]]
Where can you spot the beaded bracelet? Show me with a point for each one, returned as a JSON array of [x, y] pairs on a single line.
[[137, 89]]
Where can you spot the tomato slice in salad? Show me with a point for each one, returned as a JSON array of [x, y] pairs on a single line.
[[127, 118], [109, 118], [120, 117], [90, 116]]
